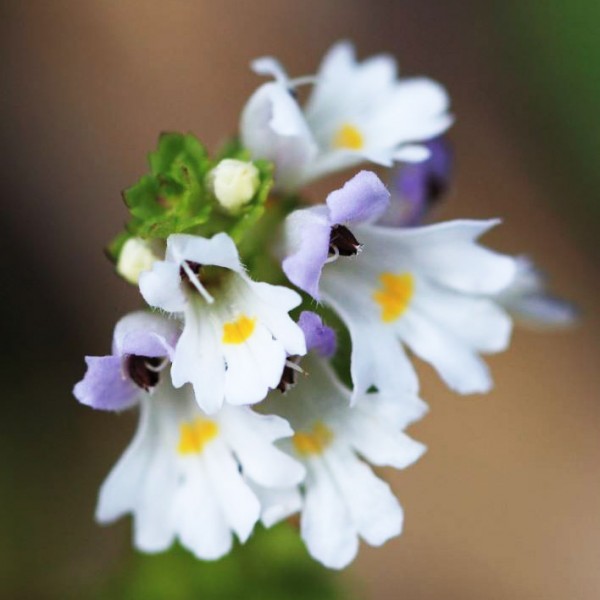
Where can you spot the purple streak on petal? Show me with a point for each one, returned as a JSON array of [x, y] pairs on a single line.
[[310, 231], [362, 198], [104, 386], [318, 336], [417, 187]]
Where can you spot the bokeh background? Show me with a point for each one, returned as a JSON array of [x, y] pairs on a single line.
[[506, 503]]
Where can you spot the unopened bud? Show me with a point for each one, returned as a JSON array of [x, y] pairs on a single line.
[[234, 183], [136, 257]]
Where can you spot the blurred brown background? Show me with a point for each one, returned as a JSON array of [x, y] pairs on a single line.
[[506, 503]]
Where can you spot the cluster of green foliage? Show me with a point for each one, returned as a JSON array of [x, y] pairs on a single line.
[[174, 197]]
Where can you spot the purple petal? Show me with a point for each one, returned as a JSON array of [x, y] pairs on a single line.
[[318, 336], [307, 232], [145, 334], [362, 198], [417, 187], [104, 385]]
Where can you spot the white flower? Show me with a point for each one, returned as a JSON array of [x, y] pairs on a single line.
[[237, 332], [430, 287], [342, 498], [185, 474], [234, 183], [135, 257], [527, 300], [356, 112]]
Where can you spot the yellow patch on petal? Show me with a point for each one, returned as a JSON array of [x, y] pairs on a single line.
[[238, 331], [313, 442], [395, 295], [194, 435], [348, 137]]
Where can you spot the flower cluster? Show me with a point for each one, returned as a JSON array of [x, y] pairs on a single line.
[[250, 409]]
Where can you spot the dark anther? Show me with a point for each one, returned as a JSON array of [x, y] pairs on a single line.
[[143, 370], [343, 242], [293, 93], [289, 375], [436, 189], [194, 266]]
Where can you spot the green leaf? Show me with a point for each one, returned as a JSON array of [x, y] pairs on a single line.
[[172, 198]]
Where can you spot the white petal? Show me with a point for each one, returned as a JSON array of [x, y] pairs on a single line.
[[376, 513], [198, 359], [377, 355], [446, 253], [277, 504], [379, 441], [326, 525], [253, 366], [456, 362], [251, 436], [161, 287], [271, 303], [219, 250], [273, 127], [201, 523], [239, 505]]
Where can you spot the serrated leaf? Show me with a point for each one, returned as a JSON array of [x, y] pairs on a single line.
[[172, 198]]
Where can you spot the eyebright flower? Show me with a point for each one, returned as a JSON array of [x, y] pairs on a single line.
[[237, 333], [356, 112], [342, 499], [527, 300], [417, 187], [429, 287], [185, 475], [142, 343]]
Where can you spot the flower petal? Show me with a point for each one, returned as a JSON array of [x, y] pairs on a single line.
[[251, 436], [363, 198], [318, 336], [104, 386], [326, 524], [308, 233]]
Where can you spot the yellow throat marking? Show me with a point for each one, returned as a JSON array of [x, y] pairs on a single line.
[[348, 137], [313, 442], [238, 331], [395, 295], [194, 435]]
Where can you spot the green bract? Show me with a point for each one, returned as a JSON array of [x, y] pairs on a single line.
[[174, 196]]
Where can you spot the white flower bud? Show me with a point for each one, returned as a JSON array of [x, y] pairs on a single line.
[[234, 183], [136, 257]]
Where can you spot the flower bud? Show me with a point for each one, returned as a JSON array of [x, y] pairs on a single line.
[[136, 257], [234, 183]]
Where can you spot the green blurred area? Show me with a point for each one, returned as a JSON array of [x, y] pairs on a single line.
[[552, 51]]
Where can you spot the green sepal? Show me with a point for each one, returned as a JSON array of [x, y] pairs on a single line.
[[172, 198]]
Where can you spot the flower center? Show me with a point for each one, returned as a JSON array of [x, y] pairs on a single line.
[[342, 242], [313, 442], [143, 370], [348, 137], [289, 374], [238, 331], [194, 435], [395, 295]]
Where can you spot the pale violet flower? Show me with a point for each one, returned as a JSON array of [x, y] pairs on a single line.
[[356, 112], [417, 187], [142, 343], [431, 288], [341, 499], [237, 333], [527, 300], [185, 475]]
